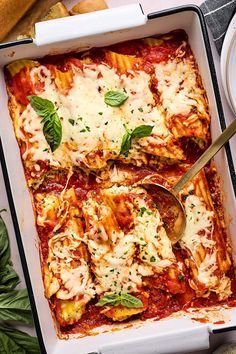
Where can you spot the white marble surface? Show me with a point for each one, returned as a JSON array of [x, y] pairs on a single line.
[[148, 6]]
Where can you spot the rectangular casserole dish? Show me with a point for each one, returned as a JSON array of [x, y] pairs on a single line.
[[119, 24]]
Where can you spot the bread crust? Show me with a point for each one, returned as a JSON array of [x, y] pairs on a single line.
[[11, 11]]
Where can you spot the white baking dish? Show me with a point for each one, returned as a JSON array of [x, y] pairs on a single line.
[[173, 335]]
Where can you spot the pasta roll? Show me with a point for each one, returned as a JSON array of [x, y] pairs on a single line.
[[120, 61], [153, 41], [69, 311], [204, 241], [63, 80], [183, 98], [17, 65]]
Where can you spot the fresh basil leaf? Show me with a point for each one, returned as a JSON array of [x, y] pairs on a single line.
[[142, 131], [115, 98], [124, 299], [126, 143], [4, 245], [41, 106], [17, 342], [15, 306], [112, 300], [128, 300], [139, 132], [8, 278], [52, 130]]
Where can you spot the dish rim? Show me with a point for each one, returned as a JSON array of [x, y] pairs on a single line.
[[230, 53], [150, 16]]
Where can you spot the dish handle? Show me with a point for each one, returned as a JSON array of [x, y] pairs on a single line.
[[85, 25], [176, 341]]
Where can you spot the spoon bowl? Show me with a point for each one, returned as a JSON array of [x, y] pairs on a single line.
[[170, 208]]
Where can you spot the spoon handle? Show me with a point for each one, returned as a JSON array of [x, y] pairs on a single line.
[[206, 156]]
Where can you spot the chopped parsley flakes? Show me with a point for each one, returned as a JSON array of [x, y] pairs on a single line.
[[143, 210], [181, 277], [71, 121]]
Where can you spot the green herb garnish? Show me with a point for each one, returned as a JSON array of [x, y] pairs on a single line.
[[52, 128], [139, 132], [181, 277], [84, 130], [124, 299], [8, 277], [142, 211], [15, 341], [115, 98], [14, 304], [71, 121], [142, 131]]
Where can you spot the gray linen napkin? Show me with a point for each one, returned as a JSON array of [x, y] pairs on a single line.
[[218, 14]]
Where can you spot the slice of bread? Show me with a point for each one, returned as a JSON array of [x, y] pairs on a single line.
[[56, 11], [40, 10], [229, 348], [85, 6], [11, 11]]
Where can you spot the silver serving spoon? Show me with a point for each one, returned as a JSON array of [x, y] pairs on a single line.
[[168, 201]]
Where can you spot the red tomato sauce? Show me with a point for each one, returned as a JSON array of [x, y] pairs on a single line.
[[166, 295]]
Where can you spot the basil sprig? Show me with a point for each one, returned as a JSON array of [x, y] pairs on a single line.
[[15, 341], [8, 277], [139, 132], [124, 299], [14, 304], [115, 98], [52, 128]]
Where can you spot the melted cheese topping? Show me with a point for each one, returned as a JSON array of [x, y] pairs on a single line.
[[73, 273], [125, 238], [176, 83], [181, 94], [199, 219], [155, 246], [88, 123], [121, 239], [207, 269], [113, 251], [199, 230]]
